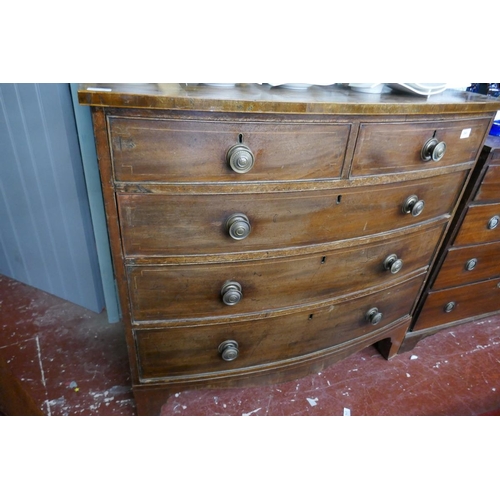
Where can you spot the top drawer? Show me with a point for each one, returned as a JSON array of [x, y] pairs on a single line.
[[385, 148], [163, 150]]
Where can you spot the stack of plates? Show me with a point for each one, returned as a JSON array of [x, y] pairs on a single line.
[[426, 89]]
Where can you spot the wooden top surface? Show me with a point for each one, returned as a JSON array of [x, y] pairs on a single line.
[[255, 98]]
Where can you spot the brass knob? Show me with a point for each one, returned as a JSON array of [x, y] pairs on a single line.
[[393, 264], [433, 150], [240, 158], [449, 307], [470, 264], [238, 226], [374, 316], [413, 205], [231, 293], [493, 222], [229, 350]]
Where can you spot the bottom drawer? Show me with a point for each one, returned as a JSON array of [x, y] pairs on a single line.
[[456, 304], [190, 350]]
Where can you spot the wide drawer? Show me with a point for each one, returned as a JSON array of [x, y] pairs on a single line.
[[455, 304], [183, 151], [490, 187], [481, 225], [468, 265], [158, 224], [181, 351], [197, 291], [385, 148]]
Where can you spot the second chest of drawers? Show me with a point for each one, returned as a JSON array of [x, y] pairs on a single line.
[[465, 283]]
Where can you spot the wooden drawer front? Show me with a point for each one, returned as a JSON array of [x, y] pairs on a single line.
[[490, 187], [470, 300], [475, 227], [194, 291], [190, 350], [385, 148], [183, 151], [468, 265], [196, 224]]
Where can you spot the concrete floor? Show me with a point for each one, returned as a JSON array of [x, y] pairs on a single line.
[[73, 362]]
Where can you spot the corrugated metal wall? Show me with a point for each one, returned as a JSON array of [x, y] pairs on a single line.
[[46, 235]]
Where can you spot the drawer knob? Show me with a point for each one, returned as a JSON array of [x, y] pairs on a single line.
[[238, 226], [240, 158], [493, 222], [433, 150], [374, 316], [229, 350], [449, 307], [393, 264], [413, 205], [231, 293], [470, 264]]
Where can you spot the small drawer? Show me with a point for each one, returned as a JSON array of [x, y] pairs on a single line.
[[481, 225], [163, 225], [456, 304], [198, 291], [490, 187], [184, 351], [203, 151], [468, 265], [387, 148]]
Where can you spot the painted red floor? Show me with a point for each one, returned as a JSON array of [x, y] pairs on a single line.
[[73, 362]]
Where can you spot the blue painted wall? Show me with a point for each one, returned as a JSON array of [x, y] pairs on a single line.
[[46, 234]]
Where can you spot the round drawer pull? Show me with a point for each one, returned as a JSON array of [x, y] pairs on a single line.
[[433, 150], [229, 350], [393, 264], [413, 205], [449, 307], [470, 264], [374, 316], [238, 226], [493, 222], [231, 293], [240, 158]]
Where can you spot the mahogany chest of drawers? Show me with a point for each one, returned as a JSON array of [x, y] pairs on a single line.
[[464, 283], [259, 235]]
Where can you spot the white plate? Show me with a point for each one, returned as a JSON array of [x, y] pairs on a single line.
[[410, 89], [369, 88]]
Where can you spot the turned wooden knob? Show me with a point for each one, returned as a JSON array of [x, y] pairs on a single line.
[[238, 226], [240, 158], [433, 150], [413, 205], [231, 293], [229, 350], [393, 264], [374, 316]]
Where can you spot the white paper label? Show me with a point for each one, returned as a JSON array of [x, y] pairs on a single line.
[[465, 133]]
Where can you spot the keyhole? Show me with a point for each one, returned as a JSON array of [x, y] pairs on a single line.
[[434, 134], [323, 260], [240, 138], [339, 198], [311, 316]]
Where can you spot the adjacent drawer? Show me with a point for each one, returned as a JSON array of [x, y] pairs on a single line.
[[195, 350], [197, 291], [490, 187], [385, 148], [157, 224], [196, 151], [481, 225], [468, 265], [455, 304]]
